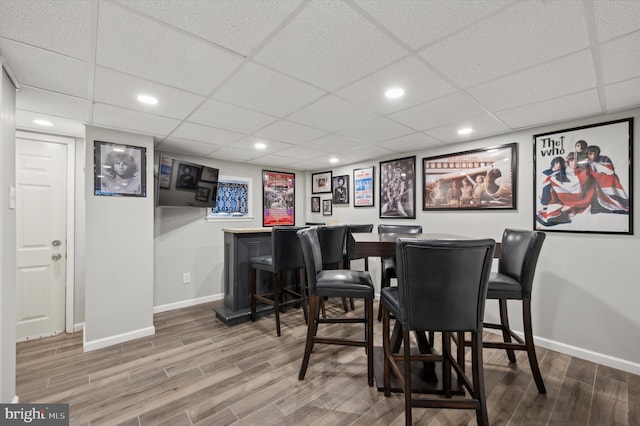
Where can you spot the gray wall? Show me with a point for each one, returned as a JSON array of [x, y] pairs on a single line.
[[118, 258], [7, 241]]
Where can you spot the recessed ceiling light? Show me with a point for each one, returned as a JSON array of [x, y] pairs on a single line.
[[41, 122], [465, 131], [333, 160], [394, 93], [147, 99], [260, 145]]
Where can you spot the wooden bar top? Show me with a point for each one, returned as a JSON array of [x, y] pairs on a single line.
[[246, 230]]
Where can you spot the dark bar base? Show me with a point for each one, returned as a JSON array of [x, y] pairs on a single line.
[[230, 317]]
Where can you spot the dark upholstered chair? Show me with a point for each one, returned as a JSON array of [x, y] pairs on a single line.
[[442, 286], [334, 283], [513, 281], [286, 255], [332, 239], [350, 249], [388, 264]]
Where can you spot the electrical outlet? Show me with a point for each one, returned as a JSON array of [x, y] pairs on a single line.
[[186, 278]]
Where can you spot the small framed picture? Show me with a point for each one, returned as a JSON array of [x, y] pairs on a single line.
[[321, 183], [119, 170], [188, 176], [327, 208], [209, 174], [363, 187], [202, 193], [340, 189], [315, 204]]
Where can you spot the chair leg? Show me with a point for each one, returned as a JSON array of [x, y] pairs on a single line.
[[407, 377], [314, 312], [446, 363], [385, 282], [504, 321], [303, 293], [276, 301], [531, 350], [253, 294], [477, 369], [368, 304], [352, 304], [386, 351], [344, 305]]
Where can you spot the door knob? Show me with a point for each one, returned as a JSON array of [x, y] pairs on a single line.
[[55, 243], [56, 256]]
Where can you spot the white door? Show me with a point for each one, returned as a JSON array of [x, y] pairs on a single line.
[[41, 180]]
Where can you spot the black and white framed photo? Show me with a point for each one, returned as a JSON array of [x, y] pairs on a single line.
[[363, 187], [202, 193], [209, 174], [315, 204], [321, 183], [327, 208], [340, 189], [119, 170], [479, 179], [188, 176], [397, 188], [583, 179]]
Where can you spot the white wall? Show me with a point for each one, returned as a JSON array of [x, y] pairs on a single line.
[[7, 241], [118, 257]]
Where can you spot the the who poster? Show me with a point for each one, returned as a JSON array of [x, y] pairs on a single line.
[[583, 179]]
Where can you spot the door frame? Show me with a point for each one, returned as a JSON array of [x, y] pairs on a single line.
[[70, 207]]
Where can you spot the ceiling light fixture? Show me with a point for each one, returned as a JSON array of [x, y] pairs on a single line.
[[147, 99], [465, 131], [41, 122], [393, 93], [260, 145], [333, 160]]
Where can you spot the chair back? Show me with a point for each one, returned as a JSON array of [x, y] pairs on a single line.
[[315, 223], [331, 243], [399, 229], [285, 248], [442, 284], [350, 247], [519, 256], [312, 256]]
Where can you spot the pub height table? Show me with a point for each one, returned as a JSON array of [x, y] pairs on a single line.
[[425, 378]]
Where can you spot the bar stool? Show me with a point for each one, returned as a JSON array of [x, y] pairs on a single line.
[[388, 264], [334, 283], [285, 256], [350, 249], [442, 287], [332, 240]]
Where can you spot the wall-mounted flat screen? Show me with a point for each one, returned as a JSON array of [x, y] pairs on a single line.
[[186, 184]]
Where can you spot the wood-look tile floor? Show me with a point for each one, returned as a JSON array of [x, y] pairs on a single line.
[[197, 371]]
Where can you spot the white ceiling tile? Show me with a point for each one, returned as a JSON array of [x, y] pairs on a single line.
[[334, 144], [437, 113], [616, 18], [311, 165], [159, 53], [332, 114], [569, 74], [482, 126], [206, 134], [248, 143], [625, 94], [529, 33], [552, 111], [59, 26], [64, 74], [413, 142], [419, 82], [290, 132], [46, 102], [229, 153], [418, 23], [621, 58], [61, 126], [377, 130], [226, 116], [219, 21], [353, 155], [116, 88], [258, 88], [182, 146], [124, 119], [301, 153], [272, 161], [329, 45]]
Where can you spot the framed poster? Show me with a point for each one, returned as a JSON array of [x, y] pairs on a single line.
[[188, 176], [164, 174], [209, 174], [583, 179], [397, 188], [119, 170], [340, 186], [315, 204], [470, 180], [327, 209], [278, 198], [363, 187], [202, 193], [321, 183]]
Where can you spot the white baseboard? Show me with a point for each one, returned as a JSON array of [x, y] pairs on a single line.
[[78, 327], [16, 399], [187, 303], [114, 340]]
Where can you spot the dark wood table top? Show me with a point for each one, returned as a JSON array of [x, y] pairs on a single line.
[[372, 244]]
